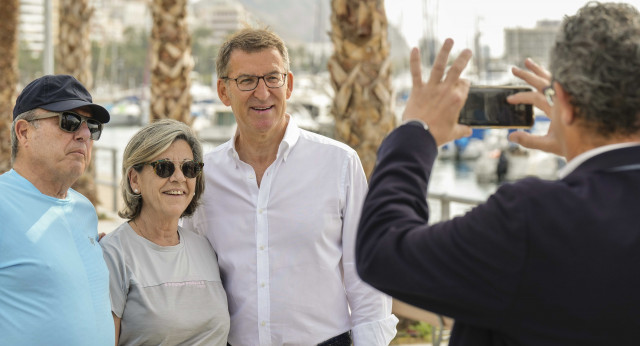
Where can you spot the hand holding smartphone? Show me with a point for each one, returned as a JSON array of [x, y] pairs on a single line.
[[487, 106]]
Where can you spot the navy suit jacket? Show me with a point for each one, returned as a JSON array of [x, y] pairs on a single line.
[[539, 263]]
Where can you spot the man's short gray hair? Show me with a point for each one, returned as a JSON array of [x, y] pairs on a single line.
[[28, 116], [596, 60], [250, 40]]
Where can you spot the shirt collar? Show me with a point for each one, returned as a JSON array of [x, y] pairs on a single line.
[[580, 159], [291, 136]]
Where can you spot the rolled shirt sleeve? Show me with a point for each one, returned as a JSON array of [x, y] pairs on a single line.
[[373, 322]]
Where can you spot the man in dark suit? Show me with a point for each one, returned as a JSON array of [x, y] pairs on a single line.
[[540, 262]]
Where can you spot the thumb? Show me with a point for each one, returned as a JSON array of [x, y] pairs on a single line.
[[523, 138], [462, 131], [516, 136], [545, 143]]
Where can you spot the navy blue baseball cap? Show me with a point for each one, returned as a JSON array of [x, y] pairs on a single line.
[[58, 93]]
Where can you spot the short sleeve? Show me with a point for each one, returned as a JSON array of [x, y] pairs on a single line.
[[118, 274]]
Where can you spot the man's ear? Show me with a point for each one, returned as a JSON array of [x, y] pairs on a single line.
[[22, 130], [223, 92], [563, 101], [289, 84]]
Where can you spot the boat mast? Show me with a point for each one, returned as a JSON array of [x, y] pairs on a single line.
[[429, 45]]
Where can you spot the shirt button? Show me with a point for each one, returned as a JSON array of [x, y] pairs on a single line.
[[262, 284], [263, 323], [250, 177], [261, 247], [260, 211]]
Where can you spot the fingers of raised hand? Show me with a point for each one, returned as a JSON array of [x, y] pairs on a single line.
[[530, 98], [453, 75], [537, 69], [415, 68], [440, 63], [531, 78]]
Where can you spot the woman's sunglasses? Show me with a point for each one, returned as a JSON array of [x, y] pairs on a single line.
[[71, 122], [165, 168]]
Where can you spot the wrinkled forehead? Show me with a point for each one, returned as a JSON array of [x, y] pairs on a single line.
[[256, 63]]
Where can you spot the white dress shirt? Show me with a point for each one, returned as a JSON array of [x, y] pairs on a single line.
[[286, 248], [578, 160]]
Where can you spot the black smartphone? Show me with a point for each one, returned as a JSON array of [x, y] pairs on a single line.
[[487, 106]]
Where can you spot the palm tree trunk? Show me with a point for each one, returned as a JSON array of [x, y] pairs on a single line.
[[9, 10], [360, 71], [73, 57], [73, 49], [171, 61]]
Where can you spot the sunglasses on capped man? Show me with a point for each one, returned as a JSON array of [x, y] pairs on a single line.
[[165, 168], [71, 122]]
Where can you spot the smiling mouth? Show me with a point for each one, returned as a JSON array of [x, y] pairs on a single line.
[[174, 193], [260, 109]]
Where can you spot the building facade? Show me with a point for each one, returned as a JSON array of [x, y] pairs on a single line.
[[534, 43], [31, 31], [222, 17]]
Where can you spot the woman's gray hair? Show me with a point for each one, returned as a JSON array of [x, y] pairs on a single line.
[[596, 60], [28, 116], [149, 142]]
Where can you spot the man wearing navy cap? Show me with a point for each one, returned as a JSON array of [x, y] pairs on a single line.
[[54, 284]]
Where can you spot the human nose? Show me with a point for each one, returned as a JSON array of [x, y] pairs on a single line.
[[83, 132], [177, 175], [261, 91]]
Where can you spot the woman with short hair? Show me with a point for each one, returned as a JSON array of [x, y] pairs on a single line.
[[164, 281]]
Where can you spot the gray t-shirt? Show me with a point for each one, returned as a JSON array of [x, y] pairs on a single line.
[[166, 295]]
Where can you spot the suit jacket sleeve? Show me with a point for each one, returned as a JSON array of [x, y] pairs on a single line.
[[457, 267]]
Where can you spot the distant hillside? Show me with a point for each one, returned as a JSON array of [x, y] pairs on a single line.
[[309, 21], [294, 20]]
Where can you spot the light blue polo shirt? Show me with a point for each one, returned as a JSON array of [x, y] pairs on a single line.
[[54, 283]]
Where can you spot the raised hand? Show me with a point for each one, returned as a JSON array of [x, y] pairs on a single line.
[[438, 101], [539, 78]]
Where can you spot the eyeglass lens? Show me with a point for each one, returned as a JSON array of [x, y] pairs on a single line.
[[272, 80], [165, 168], [71, 122]]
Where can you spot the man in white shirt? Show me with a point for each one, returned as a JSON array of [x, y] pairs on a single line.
[[281, 210]]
